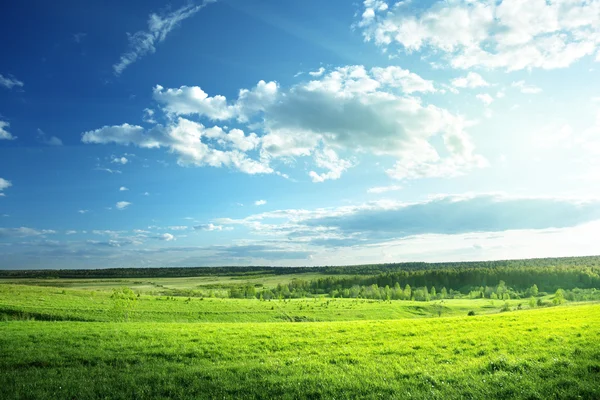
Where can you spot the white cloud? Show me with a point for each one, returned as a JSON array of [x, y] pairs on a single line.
[[485, 98], [10, 82], [142, 43], [49, 140], [318, 72], [512, 34], [149, 116], [185, 138], [70, 232], [4, 184], [119, 160], [408, 81], [4, 134], [348, 109], [384, 189], [260, 202], [471, 80], [121, 205], [24, 232], [110, 171], [123, 189], [210, 227], [329, 160], [525, 88], [83, 211], [167, 237]]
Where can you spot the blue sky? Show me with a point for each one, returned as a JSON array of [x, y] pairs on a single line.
[[263, 132]]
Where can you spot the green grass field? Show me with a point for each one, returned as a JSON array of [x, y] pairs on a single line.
[[74, 341]]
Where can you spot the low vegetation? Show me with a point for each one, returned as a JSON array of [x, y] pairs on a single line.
[[390, 335]]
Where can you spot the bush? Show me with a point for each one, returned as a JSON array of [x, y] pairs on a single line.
[[471, 313]]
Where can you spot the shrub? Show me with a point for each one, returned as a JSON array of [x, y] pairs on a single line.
[[471, 313]]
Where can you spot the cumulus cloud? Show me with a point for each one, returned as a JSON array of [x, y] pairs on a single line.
[[121, 205], [142, 43], [485, 98], [260, 202], [48, 139], [83, 211], [329, 160], [347, 110], [4, 184], [123, 189], [408, 81], [471, 80], [119, 160], [149, 116], [186, 138], [167, 237], [4, 134], [512, 34], [10, 82]]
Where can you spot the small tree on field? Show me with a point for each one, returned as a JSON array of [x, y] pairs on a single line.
[[559, 297], [532, 302], [533, 290], [124, 301]]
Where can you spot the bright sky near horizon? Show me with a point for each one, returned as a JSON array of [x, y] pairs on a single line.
[[268, 132]]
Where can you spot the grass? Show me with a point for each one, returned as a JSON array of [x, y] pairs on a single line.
[[529, 354], [49, 303], [64, 343]]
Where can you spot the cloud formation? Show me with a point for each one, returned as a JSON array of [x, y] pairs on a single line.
[[4, 134], [346, 110], [121, 205], [4, 184], [10, 82], [511, 34], [144, 42], [48, 139]]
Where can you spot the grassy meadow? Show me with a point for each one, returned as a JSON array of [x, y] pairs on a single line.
[[82, 339]]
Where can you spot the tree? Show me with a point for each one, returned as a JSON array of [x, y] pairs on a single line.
[[124, 300], [444, 293], [532, 302], [559, 297], [433, 292], [407, 292], [533, 290]]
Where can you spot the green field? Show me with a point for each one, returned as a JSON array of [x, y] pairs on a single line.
[[76, 339]]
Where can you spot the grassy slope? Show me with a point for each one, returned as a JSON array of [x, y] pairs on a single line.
[[49, 303], [148, 285], [546, 353]]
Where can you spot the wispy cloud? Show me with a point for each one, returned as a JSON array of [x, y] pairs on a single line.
[[260, 202], [143, 42], [121, 205], [47, 139], [10, 82], [384, 189]]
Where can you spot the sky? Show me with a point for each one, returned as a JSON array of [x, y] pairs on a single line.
[[286, 133]]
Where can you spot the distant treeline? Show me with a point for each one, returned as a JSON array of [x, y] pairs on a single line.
[[450, 274], [450, 282]]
